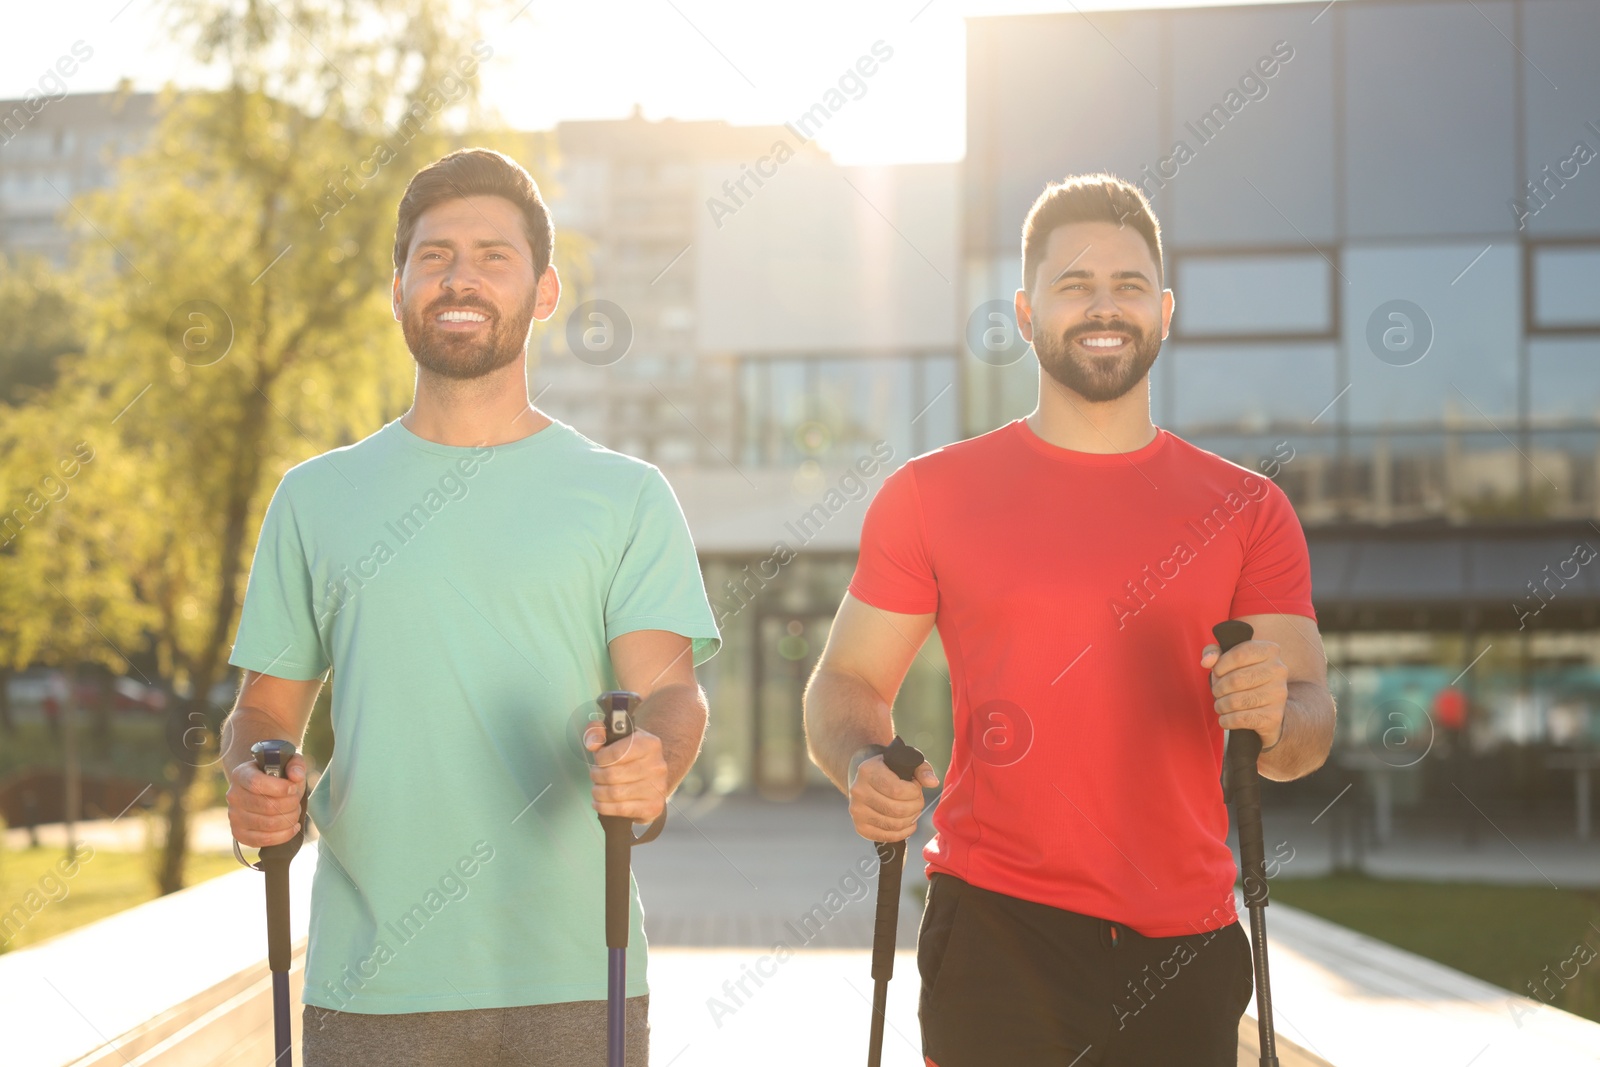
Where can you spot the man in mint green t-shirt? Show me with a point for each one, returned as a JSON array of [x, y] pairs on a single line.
[[475, 574]]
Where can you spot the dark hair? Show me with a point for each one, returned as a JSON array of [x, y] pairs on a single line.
[[475, 172], [1087, 198]]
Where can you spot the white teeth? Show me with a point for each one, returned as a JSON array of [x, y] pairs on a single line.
[[1102, 342], [462, 316]]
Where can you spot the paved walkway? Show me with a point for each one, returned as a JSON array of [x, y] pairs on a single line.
[[1358, 1002], [733, 877], [131, 832], [1352, 1000], [740, 872], [775, 860], [773, 864], [815, 1009]]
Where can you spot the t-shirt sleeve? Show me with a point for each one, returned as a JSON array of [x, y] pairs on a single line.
[[278, 626], [893, 570], [658, 585], [1275, 577]]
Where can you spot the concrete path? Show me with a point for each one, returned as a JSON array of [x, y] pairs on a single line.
[[771, 864], [731, 879], [71, 995], [775, 860], [1358, 1002], [131, 832], [749, 873], [814, 1009]]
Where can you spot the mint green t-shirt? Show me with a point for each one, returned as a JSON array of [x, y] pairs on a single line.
[[464, 597]]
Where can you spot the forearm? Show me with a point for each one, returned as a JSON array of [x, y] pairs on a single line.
[[1306, 736], [676, 714], [842, 715], [244, 727]]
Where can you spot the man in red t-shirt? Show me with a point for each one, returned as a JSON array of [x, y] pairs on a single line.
[[1081, 904]]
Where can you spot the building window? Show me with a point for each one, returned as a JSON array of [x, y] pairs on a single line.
[[1431, 333], [1233, 387], [815, 407], [1565, 284], [1288, 295], [1564, 380]]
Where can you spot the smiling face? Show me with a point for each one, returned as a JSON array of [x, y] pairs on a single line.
[[1095, 310], [467, 294]]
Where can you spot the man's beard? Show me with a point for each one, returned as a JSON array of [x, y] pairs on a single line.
[[464, 356], [1097, 379]]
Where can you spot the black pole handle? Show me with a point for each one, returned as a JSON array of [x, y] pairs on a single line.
[[903, 760], [616, 709], [617, 719], [272, 757], [618, 706], [1244, 783]]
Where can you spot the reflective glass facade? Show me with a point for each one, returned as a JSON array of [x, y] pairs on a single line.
[[1382, 229]]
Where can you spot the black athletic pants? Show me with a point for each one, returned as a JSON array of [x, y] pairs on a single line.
[[1008, 981]]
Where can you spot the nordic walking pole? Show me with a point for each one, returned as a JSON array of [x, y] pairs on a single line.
[[1244, 785], [903, 760], [617, 708], [272, 757]]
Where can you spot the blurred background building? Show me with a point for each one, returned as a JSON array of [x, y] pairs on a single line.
[[52, 150], [1386, 261], [775, 332], [1382, 225]]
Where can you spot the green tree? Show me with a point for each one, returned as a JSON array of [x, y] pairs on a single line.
[[43, 325], [240, 315], [64, 548]]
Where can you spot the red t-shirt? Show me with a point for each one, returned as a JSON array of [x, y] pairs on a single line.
[[1074, 593]]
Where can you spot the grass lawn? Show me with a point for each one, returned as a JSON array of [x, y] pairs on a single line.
[[104, 884], [1507, 935]]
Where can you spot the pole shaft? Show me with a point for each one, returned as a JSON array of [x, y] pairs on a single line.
[[880, 1007], [282, 1036], [1264, 1030], [617, 719], [277, 873], [278, 953], [1244, 787], [272, 757], [891, 863], [616, 1008], [903, 760]]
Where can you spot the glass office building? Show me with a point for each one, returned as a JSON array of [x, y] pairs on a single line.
[[1382, 227]]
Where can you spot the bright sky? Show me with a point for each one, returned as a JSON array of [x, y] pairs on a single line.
[[746, 61]]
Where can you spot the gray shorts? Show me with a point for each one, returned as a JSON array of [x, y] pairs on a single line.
[[535, 1035]]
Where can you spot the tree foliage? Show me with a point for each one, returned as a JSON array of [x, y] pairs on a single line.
[[43, 324], [236, 322]]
